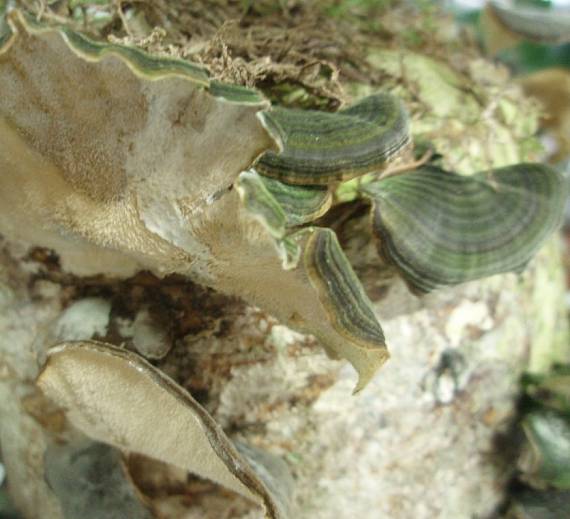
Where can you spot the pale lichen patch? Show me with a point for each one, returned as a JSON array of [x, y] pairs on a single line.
[[84, 319], [150, 339], [453, 107], [467, 314]]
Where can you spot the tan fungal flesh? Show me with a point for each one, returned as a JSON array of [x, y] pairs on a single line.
[[118, 398], [106, 162], [133, 169]]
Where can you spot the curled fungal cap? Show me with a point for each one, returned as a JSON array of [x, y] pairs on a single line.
[[116, 397], [320, 148], [546, 23], [440, 228], [105, 148]]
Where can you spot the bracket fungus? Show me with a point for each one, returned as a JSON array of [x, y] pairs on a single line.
[[439, 228], [121, 161], [116, 397], [544, 23]]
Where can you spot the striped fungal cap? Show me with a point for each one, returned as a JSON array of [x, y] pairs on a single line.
[[320, 148], [302, 204], [146, 180], [439, 228], [339, 289]]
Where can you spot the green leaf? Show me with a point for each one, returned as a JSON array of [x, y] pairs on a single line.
[[534, 504], [321, 148], [548, 460], [439, 228]]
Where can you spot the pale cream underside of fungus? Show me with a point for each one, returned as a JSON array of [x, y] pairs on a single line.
[[115, 396], [91, 153], [120, 168]]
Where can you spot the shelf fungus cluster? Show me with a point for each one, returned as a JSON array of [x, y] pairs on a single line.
[[121, 161]]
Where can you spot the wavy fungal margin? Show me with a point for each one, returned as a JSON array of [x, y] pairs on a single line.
[[436, 227], [97, 186], [141, 63]]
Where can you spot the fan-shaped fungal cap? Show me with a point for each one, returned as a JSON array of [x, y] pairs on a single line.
[[301, 204], [548, 23], [439, 228], [349, 310], [320, 148], [118, 398], [133, 168]]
